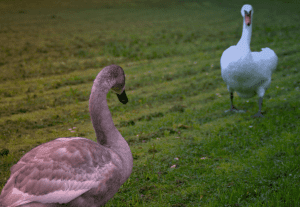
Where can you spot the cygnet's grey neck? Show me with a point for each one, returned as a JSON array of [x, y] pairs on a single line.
[[102, 121]]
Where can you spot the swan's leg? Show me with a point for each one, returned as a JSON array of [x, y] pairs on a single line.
[[260, 102], [231, 102], [232, 107], [260, 92]]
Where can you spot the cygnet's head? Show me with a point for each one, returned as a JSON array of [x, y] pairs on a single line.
[[112, 77], [116, 73]]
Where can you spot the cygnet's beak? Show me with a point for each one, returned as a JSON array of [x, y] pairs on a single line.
[[123, 97]]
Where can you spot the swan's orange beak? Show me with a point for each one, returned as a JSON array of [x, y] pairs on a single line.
[[248, 19]]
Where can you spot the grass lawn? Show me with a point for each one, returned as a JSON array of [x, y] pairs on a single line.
[[186, 150]]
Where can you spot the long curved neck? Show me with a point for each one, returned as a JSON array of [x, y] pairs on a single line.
[[100, 114], [106, 132], [244, 43]]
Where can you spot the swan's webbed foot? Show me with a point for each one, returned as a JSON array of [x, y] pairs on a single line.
[[234, 109], [258, 114]]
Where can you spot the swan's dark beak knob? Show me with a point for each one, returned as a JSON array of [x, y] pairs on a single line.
[[123, 97]]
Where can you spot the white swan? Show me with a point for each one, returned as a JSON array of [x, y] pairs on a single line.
[[76, 171], [248, 73]]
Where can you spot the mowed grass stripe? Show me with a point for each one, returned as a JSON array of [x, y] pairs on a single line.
[[72, 90]]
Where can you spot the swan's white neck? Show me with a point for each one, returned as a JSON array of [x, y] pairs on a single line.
[[244, 43]]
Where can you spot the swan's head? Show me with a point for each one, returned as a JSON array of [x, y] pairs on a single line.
[[117, 77], [112, 77], [247, 12]]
